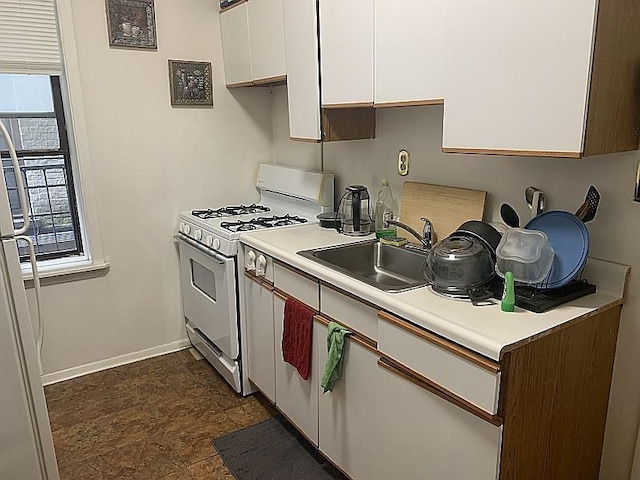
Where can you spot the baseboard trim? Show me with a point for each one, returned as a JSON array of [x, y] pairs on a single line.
[[74, 372]]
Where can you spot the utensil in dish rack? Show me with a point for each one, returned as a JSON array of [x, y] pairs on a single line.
[[588, 209], [535, 200]]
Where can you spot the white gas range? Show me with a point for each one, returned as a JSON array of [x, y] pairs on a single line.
[[208, 242]]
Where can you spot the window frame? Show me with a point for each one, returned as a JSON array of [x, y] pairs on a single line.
[[63, 151]]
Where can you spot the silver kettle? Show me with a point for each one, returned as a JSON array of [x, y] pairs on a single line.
[[354, 211]]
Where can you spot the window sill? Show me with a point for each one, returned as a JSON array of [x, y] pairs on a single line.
[[61, 271]]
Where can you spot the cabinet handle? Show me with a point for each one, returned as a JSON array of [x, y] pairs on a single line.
[[354, 336], [259, 280], [451, 347], [409, 375], [280, 294]]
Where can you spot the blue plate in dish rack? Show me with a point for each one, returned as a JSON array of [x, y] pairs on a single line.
[[569, 239]]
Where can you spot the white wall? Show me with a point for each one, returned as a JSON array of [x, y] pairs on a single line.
[[614, 233], [149, 162]]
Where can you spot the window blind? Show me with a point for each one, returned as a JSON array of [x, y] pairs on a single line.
[[29, 37]]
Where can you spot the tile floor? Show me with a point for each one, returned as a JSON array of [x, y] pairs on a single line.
[[153, 419]]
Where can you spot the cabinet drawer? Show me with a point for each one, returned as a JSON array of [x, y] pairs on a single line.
[[297, 285], [350, 312], [462, 372]]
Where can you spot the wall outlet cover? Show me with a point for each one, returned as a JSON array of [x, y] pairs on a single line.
[[403, 162]]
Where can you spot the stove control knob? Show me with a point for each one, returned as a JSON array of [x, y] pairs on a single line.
[[208, 240], [250, 261], [198, 234], [261, 264], [216, 243], [181, 227], [186, 229]]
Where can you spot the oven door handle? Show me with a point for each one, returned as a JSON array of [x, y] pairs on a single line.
[[219, 259]]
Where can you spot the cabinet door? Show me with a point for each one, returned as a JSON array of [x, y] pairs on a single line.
[[518, 76], [348, 415], [260, 336], [295, 397], [439, 440], [266, 31], [234, 24], [409, 52], [303, 81], [346, 48]]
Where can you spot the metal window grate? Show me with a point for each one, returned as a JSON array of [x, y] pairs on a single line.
[[54, 222]]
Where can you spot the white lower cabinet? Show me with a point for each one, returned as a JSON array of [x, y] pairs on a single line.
[[260, 334], [296, 398], [348, 427], [424, 436]]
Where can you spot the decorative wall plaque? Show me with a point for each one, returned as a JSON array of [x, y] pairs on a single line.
[[190, 83], [131, 23]]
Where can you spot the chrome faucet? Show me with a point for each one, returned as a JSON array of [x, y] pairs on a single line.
[[428, 237]]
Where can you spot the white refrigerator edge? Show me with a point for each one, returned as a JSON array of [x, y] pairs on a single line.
[[26, 443]]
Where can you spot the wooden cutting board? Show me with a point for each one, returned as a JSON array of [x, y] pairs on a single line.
[[446, 207]]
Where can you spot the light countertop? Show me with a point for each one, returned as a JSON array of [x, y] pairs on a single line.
[[484, 329]]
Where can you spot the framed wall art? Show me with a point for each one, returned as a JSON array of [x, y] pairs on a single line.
[[131, 23], [190, 83]]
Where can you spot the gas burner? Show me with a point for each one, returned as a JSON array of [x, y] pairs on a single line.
[[263, 222], [230, 211], [280, 221], [241, 226]]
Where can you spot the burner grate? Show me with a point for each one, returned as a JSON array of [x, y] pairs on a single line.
[[230, 211], [263, 222]]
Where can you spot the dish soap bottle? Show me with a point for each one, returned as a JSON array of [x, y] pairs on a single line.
[[384, 211]]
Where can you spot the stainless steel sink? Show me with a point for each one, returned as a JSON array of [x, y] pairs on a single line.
[[389, 268]]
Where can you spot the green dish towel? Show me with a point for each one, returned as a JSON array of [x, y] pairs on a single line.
[[335, 347]]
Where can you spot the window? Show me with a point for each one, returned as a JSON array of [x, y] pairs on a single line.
[[31, 110]]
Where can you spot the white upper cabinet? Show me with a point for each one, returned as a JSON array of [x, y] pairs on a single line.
[[303, 81], [543, 78], [253, 43], [346, 52], [518, 75], [409, 52], [266, 31], [234, 24]]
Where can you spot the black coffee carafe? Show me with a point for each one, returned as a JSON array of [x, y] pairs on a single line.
[[354, 211]]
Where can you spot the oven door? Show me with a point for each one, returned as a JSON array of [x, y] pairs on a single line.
[[209, 292]]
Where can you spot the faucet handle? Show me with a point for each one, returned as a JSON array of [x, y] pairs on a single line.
[[428, 232]]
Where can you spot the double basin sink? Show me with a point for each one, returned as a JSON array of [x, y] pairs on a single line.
[[389, 268]]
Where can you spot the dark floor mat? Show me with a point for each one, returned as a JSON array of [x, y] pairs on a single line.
[[273, 450]]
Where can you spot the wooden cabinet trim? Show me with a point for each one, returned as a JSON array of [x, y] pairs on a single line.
[[356, 336], [519, 153], [557, 388], [260, 280], [349, 294], [295, 270], [349, 122], [229, 7], [414, 377], [451, 347], [556, 329], [240, 85], [271, 81], [331, 106], [409, 103], [308, 140], [285, 296], [613, 112]]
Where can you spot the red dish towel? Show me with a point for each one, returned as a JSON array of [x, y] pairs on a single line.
[[296, 337]]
